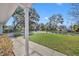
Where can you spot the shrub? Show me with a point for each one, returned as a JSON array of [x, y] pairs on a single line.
[[16, 34], [5, 46]]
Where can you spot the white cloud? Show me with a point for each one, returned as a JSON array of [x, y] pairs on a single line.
[[46, 18], [59, 4]]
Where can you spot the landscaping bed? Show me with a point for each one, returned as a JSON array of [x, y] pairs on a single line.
[[6, 46]]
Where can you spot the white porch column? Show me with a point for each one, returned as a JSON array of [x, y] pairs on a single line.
[[26, 10]]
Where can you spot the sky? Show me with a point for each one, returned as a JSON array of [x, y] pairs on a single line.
[[46, 10], [10, 21]]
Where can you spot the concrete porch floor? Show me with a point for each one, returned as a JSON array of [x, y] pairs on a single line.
[[34, 49]]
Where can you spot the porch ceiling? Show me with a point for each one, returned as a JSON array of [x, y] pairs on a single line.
[[7, 9]]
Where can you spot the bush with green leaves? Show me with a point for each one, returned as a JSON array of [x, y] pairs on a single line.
[[16, 34]]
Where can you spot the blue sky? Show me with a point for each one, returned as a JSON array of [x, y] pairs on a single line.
[[45, 10], [10, 21]]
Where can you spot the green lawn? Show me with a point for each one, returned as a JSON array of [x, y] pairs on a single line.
[[68, 45]]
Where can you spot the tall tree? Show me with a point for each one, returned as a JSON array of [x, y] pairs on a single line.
[[74, 11], [19, 16], [54, 20], [34, 18], [42, 27], [75, 28], [19, 19]]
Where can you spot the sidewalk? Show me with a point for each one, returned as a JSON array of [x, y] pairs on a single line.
[[34, 49], [44, 51]]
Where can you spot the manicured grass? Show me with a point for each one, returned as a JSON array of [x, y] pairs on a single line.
[[68, 45]]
